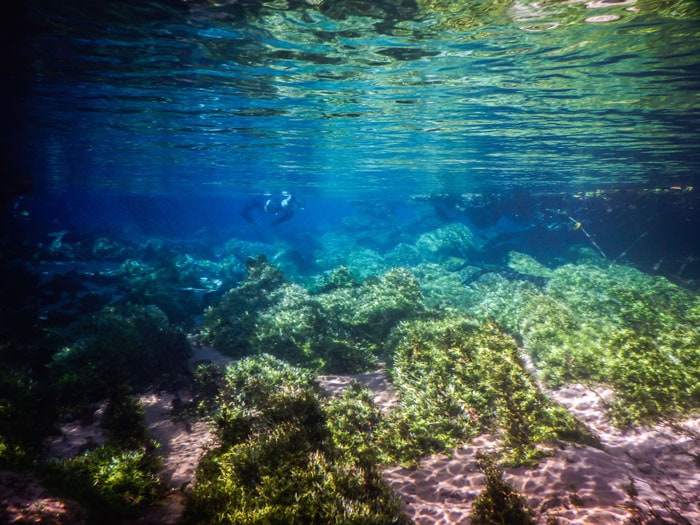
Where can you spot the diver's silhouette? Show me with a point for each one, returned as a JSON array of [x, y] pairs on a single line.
[[281, 206]]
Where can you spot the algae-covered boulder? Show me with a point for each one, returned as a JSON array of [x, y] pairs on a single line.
[[527, 265], [365, 263], [166, 281], [126, 345], [290, 327], [109, 249], [111, 481], [276, 461], [458, 378], [453, 240], [340, 277], [611, 324], [231, 325], [443, 288], [334, 249], [368, 312], [242, 250], [338, 329], [404, 255]]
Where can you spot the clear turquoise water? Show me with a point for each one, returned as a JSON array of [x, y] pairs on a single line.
[[358, 98], [533, 164]]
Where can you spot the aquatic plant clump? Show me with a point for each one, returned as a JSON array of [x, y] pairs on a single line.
[[276, 462], [613, 325], [499, 502], [230, 326], [458, 378], [109, 480], [26, 415], [526, 265], [127, 345], [454, 240], [340, 328], [370, 311]]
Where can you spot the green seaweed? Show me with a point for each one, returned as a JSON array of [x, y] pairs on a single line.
[[605, 324], [110, 481], [357, 427], [454, 240], [526, 265], [26, 416], [499, 502], [338, 329], [276, 462], [123, 420], [128, 345], [458, 378], [161, 284]]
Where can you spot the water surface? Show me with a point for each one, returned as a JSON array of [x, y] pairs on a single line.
[[364, 98]]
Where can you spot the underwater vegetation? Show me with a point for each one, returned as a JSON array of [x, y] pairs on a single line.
[[26, 414], [470, 348], [499, 502], [453, 349], [605, 323], [65, 373], [118, 478], [289, 454], [175, 283], [458, 378], [111, 481], [340, 328], [277, 462], [127, 345]]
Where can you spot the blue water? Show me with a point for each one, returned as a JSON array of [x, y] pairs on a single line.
[[171, 97], [162, 119], [508, 154]]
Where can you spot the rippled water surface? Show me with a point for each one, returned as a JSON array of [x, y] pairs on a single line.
[[368, 97]]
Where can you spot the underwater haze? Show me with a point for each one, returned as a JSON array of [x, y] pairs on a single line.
[[477, 204], [163, 118]]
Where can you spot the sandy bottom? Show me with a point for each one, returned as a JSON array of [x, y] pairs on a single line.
[[23, 500], [385, 396], [575, 485]]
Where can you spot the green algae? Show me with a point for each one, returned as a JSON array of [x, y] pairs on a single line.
[[339, 329], [129, 345], [454, 352], [112, 482], [276, 462], [527, 265], [454, 240], [606, 324], [26, 415], [458, 379], [499, 502]]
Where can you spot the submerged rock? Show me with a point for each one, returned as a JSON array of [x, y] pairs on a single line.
[[453, 240]]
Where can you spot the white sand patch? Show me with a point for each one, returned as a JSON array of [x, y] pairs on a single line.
[[385, 396], [578, 484]]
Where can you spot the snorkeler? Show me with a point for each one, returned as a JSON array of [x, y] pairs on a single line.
[[281, 206]]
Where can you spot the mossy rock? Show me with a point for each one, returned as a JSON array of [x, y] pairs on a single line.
[[458, 378], [128, 345], [527, 265], [453, 240], [338, 329], [607, 324]]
